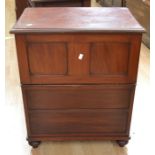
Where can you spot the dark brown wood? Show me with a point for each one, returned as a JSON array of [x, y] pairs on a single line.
[[112, 53], [78, 66], [34, 144], [47, 58], [77, 83], [112, 3], [20, 6], [79, 137], [122, 143], [78, 96], [59, 3], [65, 20], [124, 3], [86, 3], [78, 121], [54, 59]]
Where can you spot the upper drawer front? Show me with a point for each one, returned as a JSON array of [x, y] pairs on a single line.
[[54, 59], [78, 96]]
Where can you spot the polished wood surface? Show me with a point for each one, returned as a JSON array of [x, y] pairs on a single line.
[[112, 53], [47, 58], [109, 60], [53, 59], [76, 20], [78, 121], [77, 96]]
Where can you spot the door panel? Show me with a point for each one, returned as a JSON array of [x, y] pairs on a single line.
[[109, 59], [47, 58]]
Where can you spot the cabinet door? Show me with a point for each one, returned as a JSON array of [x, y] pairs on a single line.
[[78, 58], [47, 58], [109, 59]]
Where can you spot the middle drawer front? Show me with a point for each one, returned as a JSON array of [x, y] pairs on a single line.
[[77, 96]]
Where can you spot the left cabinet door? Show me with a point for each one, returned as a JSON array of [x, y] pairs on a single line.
[[41, 60], [47, 59]]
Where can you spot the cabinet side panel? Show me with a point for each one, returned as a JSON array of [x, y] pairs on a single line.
[[134, 56], [22, 58]]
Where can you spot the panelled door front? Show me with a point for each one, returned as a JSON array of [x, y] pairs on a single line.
[[78, 58]]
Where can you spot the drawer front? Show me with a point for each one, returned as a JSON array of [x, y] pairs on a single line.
[[78, 58], [78, 96], [77, 121]]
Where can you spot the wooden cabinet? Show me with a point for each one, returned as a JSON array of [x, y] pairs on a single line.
[[78, 76]]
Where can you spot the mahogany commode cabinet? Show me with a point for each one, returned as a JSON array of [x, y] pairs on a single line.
[[78, 70]]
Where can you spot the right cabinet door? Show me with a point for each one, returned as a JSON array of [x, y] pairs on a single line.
[[109, 59], [114, 60]]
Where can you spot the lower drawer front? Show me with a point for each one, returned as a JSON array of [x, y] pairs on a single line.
[[77, 121], [78, 96]]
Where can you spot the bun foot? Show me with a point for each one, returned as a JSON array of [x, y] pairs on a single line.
[[34, 144], [122, 143]]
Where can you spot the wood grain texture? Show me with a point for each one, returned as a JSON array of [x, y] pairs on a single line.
[[42, 20], [104, 55], [47, 58], [77, 121], [78, 96], [54, 59], [77, 66], [22, 54]]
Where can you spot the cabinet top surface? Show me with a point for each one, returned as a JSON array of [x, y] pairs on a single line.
[[76, 19]]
